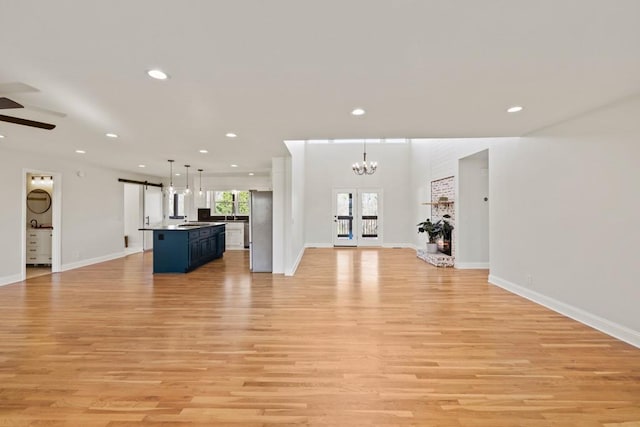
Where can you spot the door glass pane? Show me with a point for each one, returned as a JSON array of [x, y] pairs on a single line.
[[369, 223], [344, 215]]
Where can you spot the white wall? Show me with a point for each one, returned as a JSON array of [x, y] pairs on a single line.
[[472, 221], [565, 203], [420, 187], [92, 210], [295, 224], [280, 215], [328, 166]]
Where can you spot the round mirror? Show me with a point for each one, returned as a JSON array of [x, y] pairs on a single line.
[[38, 201]]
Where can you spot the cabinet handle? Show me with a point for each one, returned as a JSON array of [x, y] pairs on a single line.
[[32, 250]]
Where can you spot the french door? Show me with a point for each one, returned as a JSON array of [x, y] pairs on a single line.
[[357, 217]]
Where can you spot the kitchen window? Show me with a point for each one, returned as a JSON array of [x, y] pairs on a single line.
[[229, 202]]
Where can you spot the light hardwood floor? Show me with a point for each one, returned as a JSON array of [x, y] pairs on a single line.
[[358, 337], [32, 272]]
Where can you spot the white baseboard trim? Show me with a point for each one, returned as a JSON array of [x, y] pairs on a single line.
[[399, 245], [472, 265], [7, 280], [293, 269], [318, 245], [133, 250], [384, 245], [603, 325], [90, 261]]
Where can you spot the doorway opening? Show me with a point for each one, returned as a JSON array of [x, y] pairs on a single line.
[[41, 223], [473, 211]]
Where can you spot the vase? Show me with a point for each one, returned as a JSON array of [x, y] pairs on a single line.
[[432, 248]]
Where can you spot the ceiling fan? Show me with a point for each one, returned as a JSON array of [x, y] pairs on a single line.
[[7, 104]]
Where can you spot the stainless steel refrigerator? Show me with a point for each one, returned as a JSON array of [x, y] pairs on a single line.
[[261, 232]]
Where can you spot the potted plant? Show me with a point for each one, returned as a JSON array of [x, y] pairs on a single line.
[[433, 230]]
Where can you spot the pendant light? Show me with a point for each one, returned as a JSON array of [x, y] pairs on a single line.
[[200, 192], [170, 176], [187, 191], [364, 168]]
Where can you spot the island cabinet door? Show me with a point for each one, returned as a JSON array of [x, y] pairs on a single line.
[[204, 248], [213, 245], [194, 252], [220, 244]]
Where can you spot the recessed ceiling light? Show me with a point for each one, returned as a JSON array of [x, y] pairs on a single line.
[[142, 166], [231, 135], [111, 135], [158, 74], [515, 109], [204, 151], [80, 151], [251, 173], [1, 136], [234, 166], [358, 112], [177, 174]]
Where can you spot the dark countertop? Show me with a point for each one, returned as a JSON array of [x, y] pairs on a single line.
[[186, 226]]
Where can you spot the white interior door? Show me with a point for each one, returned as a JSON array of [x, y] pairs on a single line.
[[344, 216], [152, 213], [133, 216]]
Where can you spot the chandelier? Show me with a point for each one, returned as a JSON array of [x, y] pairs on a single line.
[[364, 168]]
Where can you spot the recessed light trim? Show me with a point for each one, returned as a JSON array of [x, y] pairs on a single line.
[[358, 112], [111, 135], [1, 136], [157, 74], [251, 173], [178, 174], [231, 135], [234, 166], [81, 152], [142, 166], [515, 109], [204, 151]]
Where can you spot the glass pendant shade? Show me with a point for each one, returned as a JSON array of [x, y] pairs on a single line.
[[170, 176]]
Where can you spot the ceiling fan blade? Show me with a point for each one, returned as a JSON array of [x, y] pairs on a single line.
[[6, 103], [44, 110], [26, 122]]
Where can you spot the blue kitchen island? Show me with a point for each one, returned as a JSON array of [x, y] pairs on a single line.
[[184, 247]]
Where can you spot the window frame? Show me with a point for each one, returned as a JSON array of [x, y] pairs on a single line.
[[210, 202]]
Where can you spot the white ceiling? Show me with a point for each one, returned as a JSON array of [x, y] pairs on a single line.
[[294, 69]]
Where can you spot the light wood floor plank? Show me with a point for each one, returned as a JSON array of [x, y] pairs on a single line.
[[358, 337]]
